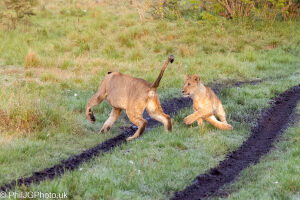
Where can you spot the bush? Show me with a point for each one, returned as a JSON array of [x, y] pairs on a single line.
[[13, 11], [257, 9], [271, 9], [174, 9]]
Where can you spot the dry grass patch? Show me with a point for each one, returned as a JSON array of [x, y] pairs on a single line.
[[186, 51], [25, 113], [32, 59]]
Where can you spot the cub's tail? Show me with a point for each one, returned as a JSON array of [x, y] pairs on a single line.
[[156, 83], [218, 124]]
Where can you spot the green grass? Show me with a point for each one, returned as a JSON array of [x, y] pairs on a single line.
[[277, 174], [50, 67], [159, 163]]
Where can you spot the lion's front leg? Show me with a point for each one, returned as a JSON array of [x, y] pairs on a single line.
[[196, 116], [200, 121], [95, 100], [114, 115], [190, 119]]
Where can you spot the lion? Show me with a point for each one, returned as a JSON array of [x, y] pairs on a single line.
[[206, 104], [134, 95]]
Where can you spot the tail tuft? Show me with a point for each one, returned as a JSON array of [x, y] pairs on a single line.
[[171, 58]]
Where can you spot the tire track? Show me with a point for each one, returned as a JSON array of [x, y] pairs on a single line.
[[72, 163], [269, 127]]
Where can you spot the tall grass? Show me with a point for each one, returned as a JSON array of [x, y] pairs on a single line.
[[23, 111]]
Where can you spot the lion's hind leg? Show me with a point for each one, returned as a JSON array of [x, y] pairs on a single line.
[[140, 122], [222, 116], [156, 112], [114, 115], [221, 113]]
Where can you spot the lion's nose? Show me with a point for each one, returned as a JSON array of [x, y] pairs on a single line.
[[182, 91]]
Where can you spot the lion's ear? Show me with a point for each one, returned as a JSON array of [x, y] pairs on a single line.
[[187, 77], [195, 78]]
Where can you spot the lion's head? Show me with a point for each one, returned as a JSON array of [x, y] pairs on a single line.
[[190, 85]]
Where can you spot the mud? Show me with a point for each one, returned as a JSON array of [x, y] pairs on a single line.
[[272, 123]]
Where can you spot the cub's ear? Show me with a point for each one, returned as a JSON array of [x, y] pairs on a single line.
[[195, 78], [186, 77]]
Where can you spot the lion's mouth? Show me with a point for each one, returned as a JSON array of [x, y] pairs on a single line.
[[185, 94]]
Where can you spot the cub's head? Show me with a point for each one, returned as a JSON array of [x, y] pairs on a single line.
[[190, 85]]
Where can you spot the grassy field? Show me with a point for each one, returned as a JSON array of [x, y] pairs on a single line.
[[277, 175], [50, 67]]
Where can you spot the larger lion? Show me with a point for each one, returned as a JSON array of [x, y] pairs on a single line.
[[124, 92]]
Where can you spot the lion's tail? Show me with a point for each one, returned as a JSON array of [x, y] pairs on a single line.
[[218, 124], [156, 83]]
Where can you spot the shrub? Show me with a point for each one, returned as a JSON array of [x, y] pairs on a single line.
[[13, 11], [271, 9], [174, 9], [199, 9], [236, 8]]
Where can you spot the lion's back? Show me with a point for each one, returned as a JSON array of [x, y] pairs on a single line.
[[122, 88]]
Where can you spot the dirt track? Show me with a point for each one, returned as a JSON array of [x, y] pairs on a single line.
[[72, 163], [269, 127]]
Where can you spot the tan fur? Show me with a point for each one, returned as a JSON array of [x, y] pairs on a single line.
[[124, 92], [205, 103]]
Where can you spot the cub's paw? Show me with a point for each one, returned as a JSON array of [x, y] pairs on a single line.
[[90, 116], [105, 129], [188, 120], [130, 138], [229, 127]]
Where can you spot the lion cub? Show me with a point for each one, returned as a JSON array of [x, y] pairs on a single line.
[[124, 92], [205, 103]]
